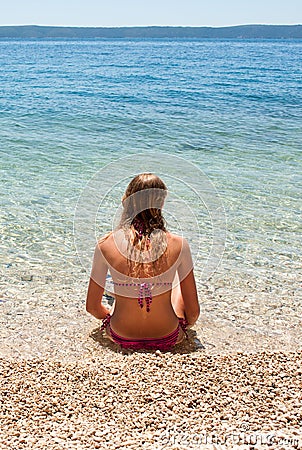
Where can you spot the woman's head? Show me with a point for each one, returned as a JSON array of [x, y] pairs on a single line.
[[143, 201]]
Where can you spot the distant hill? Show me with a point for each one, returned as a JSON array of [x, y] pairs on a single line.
[[156, 32]]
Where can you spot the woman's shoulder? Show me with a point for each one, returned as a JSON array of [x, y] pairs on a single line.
[[176, 239], [178, 245], [184, 260], [105, 240]]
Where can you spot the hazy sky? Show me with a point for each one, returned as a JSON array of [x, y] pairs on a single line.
[[150, 12]]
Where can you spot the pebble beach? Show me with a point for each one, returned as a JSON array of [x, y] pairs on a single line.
[[153, 401], [64, 385]]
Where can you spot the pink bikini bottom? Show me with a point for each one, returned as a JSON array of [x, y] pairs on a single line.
[[163, 343]]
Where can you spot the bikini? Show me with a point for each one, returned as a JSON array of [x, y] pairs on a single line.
[[163, 343]]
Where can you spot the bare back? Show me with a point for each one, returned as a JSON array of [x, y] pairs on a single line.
[[128, 318]]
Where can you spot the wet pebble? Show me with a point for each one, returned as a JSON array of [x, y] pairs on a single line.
[[27, 277]]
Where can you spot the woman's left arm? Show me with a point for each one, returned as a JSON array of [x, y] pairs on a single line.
[[96, 285], [94, 300]]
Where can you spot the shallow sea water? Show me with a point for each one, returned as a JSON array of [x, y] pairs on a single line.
[[232, 108]]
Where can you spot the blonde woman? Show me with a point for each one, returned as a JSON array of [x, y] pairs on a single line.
[[152, 274]]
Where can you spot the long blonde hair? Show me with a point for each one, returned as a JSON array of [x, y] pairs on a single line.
[[142, 219]]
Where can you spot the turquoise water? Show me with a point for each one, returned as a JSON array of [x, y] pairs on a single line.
[[233, 108]]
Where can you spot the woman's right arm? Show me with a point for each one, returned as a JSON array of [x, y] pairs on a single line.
[[190, 298], [188, 284]]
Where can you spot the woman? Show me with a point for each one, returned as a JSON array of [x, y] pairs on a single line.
[[152, 274]]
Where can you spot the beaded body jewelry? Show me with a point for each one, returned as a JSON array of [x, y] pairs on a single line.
[[144, 291]]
